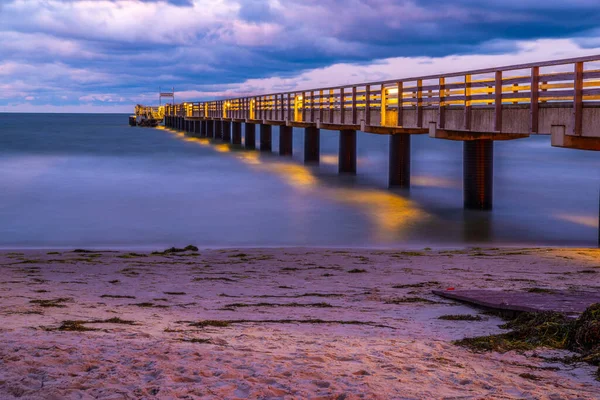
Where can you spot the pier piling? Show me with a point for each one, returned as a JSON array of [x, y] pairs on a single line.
[[312, 145], [478, 174], [236, 132], [250, 142], [210, 128], [399, 163], [265, 138], [347, 152], [286, 138], [226, 125], [218, 129], [203, 128]]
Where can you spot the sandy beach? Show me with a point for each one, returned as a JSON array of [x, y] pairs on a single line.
[[287, 323]]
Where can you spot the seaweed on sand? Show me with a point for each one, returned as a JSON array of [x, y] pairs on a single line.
[[547, 329], [80, 326], [173, 250]]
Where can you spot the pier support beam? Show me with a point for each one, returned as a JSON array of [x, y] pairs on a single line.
[[286, 138], [226, 131], [399, 166], [478, 174], [197, 128], [265, 138], [312, 145], [347, 152], [250, 142], [210, 128], [236, 132]]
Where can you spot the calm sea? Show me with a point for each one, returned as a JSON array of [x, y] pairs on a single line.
[[93, 181]]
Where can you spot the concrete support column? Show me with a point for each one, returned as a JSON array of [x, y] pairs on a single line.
[[347, 152], [236, 132], [210, 128], [265, 138], [286, 139], [478, 174], [312, 145], [399, 166], [250, 136], [197, 128], [226, 131]]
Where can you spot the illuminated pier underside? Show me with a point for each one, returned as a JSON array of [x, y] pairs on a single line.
[[560, 97]]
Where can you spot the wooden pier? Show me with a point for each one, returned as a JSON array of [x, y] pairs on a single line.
[[560, 98]]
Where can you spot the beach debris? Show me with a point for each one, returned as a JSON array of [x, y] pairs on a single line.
[[58, 303], [547, 329], [175, 250]]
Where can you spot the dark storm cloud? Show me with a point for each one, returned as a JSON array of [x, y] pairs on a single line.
[[126, 47]]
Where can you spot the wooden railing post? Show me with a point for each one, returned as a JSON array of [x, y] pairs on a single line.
[[368, 105], [420, 103], [442, 103], [400, 118], [578, 100], [312, 106], [534, 109], [342, 106], [467, 123], [331, 106], [383, 106], [354, 108]]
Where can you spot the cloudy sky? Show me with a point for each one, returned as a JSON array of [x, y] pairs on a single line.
[[106, 55]]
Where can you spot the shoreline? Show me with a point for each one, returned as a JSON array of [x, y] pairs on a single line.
[[275, 323]]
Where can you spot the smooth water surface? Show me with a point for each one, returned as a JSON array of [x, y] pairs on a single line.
[[93, 181]]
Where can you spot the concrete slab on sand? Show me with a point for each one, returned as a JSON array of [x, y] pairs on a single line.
[[568, 302]]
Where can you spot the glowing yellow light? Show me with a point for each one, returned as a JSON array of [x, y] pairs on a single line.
[[299, 98]]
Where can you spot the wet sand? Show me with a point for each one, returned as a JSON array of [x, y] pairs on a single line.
[[274, 324]]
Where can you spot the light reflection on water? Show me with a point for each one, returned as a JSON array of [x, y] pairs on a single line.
[[93, 181]]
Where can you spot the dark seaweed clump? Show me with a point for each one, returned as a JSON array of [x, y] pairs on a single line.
[[547, 329], [173, 250]]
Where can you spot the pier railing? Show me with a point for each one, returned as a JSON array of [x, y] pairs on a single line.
[[448, 100]]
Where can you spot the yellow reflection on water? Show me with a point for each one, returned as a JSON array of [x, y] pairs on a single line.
[[296, 175], [391, 214], [329, 159], [434, 181], [222, 148], [584, 220]]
